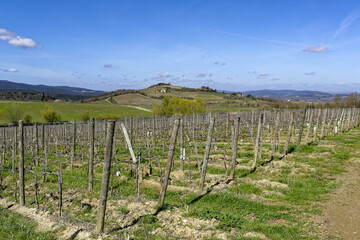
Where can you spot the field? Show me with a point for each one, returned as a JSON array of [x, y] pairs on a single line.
[[215, 102], [72, 111], [276, 189]]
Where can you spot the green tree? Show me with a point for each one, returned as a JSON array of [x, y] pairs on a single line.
[[337, 101], [50, 115], [85, 115], [175, 105], [352, 100], [28, 118], [13, 113]]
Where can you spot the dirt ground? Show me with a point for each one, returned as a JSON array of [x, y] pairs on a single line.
[[342, 210]]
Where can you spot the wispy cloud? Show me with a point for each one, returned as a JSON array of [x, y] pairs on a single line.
[[202, 75], [165, 75], [107, 65], [78, 75], [310, 73], [315, 49], [162, 77], [346, 23], [17, 41], [10, 70], [255, 38], [263, 75]]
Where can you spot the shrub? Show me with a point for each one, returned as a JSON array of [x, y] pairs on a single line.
[[28, 118], [170, 106], [50, 115], [111, 117], [85, 115], [13, 113], [99, 118]]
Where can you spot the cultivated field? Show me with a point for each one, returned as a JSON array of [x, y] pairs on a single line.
[[72, 111], [249, 175]]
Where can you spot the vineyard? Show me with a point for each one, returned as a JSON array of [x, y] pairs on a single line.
[[148, 178]]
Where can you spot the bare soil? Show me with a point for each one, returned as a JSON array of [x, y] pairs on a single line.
[[342, 211]]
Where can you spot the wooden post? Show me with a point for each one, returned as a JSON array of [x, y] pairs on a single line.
[[21, 163], [36, 189], [43, 135], [128, 142], [323, 124], [91, 154], [227, 125], [309, 126], [286, 149], [73, 150], [36, 143], [224, 159], [301, 128], [258, 139], [317, 124], [252, 127], [15, 143], [275, 134], [182, 148], [60, 182], [105, 177], [154, 132], [131, 129], [138, 177], [170, 159], [207, 153], [234, 147]]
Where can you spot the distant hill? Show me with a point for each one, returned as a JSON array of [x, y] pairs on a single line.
[[307, 96], [12, 91], [212, 98]]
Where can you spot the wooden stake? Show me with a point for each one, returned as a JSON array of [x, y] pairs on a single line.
[[105, 177], [207, 153], [91, 154], [170, 159], [258, 139], [301, 128], [286, 149], [234, 147], [21, 164]]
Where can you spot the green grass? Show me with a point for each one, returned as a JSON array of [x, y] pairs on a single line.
[[15, 226], [72, 111]]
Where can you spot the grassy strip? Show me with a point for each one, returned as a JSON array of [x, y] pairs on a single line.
[[72, 111], [15, 226], [284, 216]]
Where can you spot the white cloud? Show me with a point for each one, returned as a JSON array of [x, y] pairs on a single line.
[[164, 75], [201, 75], [310, 73], [315, 49], [10, 70], [263, 75], [17, 41]]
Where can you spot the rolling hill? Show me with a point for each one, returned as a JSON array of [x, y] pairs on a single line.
[[214, 101], [8, 90], [307, 96]]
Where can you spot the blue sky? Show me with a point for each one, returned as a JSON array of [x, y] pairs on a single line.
[[227, 45]]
